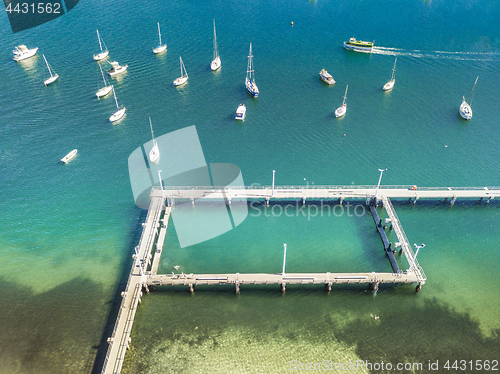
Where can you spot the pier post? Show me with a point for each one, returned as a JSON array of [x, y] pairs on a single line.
[[237, 283], [267, 201], [341, 200], [192, 201], [283, 287], [191, 287], [303, 200], [452, 202], [328, 286]]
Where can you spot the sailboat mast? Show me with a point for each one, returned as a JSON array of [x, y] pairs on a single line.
[[48, 67], [116, 101], [102, 74], [152, 134], [159, 33], [472, 91], [394, 69], [250, 64], [215, 43], [181, 66], [345, 95], [99, 38]]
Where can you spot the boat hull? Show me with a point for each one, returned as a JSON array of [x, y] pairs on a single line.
[[160, 49], [326, 77], [51, 80], [104, 91], [465, 111], [69, 156], [358, 48], [101, 56], [388, 86], [340, 112], [252, 88], [154, 154], [24, 56], [117, 115], [215, 64], [180, 81], [241, 112], [117, 70]]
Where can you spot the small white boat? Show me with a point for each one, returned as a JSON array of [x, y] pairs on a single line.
[[326, 77], [116, 69], [104, 90], [465, 110], [340, 111], [184, 75], [22, 52], [53, 77], [250, 84], [69, 156], [241, 112], [120, 111], [161, 47], [104, 52], [216, 63], [389, 85], [154, 153]]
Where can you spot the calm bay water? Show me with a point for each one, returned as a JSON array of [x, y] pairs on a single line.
[[67, 231]]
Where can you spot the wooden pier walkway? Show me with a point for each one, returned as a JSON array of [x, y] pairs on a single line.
[[120, 339]]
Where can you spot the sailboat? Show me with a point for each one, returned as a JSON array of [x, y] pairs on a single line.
[[341, 110], [184, 75], [53, 77], [106, 89], [389, 85], [120, 111], [154, 153], [465, 109], [216, 63], [250, 79], [161, 47], [104, 52]]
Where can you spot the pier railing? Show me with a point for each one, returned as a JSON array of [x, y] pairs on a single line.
[[332, 187], [403, 240]]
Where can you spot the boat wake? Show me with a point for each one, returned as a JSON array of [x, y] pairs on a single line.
[[463, 56]]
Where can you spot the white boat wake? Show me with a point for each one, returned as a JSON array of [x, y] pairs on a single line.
[[468, 56]]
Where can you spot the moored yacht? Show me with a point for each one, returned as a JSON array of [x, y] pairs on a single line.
[[326, 77], [240, 112], [116, 69], [22, 52]]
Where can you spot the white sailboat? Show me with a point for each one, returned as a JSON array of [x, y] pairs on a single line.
[[106, 89], [216, 63], [184, 75], [389, 85], [154, 153], [161, 47], [250, 78], [104, 52], [53, 77], [342, 109], [22, 52], [465, 109], [120, 111]]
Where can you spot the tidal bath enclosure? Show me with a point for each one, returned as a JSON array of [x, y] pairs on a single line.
[[144, 272]]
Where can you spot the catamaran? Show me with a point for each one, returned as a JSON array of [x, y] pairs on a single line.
[[22, 52], [326, 77], [184, 75], [116, 69], [106, 89], [465, 109], [161, 47], [250, 79], [216, 63], [154, 153], [53, 77], [104, 52], [389, 85], [119, 112], [359, 45], [341, 110]]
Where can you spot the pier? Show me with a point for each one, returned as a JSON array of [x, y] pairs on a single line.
[[149, 250]]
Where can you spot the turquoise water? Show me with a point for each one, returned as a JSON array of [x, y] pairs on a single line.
[[67, 231]]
